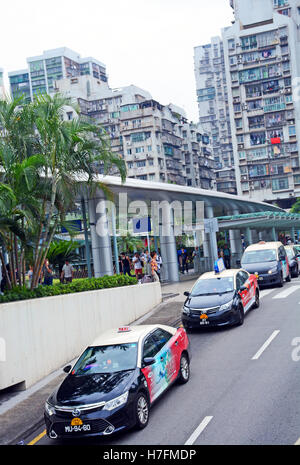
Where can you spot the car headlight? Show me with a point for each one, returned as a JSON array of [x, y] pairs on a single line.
[[226, 306], [272, 271], [49, 409], [117, 402], [186, 310]]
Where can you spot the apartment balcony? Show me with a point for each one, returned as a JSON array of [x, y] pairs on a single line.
[[195, 146], [171, 140]]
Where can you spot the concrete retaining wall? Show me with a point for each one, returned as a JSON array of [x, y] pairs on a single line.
[[41, 335]]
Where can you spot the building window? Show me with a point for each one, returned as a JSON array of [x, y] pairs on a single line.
[[280, 184], [292, 131]]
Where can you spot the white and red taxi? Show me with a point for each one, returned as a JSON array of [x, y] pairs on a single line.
[[220, 299], [113, 384]]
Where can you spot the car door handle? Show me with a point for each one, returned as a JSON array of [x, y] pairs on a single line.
[[161, 359]]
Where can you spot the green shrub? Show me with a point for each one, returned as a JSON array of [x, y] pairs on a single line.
[[82, 285]]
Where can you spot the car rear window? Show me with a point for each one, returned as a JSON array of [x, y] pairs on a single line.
[[107, 359], [290, 253], [259, 256]]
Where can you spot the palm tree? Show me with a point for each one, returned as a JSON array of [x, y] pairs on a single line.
[[43, 160], [130, 243], [60, 251]]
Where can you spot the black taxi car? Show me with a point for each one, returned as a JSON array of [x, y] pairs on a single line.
[[115, 381], [220, 299]]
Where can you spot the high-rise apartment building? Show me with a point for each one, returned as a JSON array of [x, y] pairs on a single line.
[[212, 99], [53, 65], [262, 61], [156, 141]]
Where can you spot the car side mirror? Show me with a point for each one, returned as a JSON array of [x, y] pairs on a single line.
[[148, 361], [187, 294], [243, 288], [67, 369]]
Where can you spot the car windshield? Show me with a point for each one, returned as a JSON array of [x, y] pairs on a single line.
[[106, 359], [259, 256], [213, 286]]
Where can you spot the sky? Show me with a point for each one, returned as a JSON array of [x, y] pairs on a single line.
[[149, 43]]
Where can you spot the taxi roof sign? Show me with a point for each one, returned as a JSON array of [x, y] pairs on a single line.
[[219, 266], [124, 329]]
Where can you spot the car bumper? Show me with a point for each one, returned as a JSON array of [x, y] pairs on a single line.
[[101, 423], [225, 318], [268, 279]]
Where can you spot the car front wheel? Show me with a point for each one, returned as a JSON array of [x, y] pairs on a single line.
[[257, 302], [241, 315], [184, 369], [141, 411]]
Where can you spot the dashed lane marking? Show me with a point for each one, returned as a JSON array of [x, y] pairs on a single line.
[[286, 292], [193, 438], [266, 344]]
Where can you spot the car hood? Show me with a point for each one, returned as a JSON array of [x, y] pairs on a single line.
[[209, 301], [90, 389], [259, 268]]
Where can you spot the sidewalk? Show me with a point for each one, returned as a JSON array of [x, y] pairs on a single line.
[[23, 412]]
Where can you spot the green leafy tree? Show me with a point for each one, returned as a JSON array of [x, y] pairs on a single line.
[[296, 207], [46, 161], [61, 251]]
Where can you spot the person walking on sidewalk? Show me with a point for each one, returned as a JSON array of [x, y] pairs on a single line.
[[154, 267], [138, 266], [126, 265], [227, 256], [67, 273]]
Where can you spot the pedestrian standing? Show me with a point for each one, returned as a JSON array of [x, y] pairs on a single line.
[[227, 256], [126, 265], [29, 275], [154, 267], [138, 267], [47, 274], [159, 264], [147, 260], [183, 260], [196, 260], [67, 272]]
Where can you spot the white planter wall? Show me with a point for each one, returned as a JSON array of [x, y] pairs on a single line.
[[41, 335]]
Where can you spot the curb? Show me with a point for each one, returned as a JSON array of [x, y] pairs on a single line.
[[24, 435]]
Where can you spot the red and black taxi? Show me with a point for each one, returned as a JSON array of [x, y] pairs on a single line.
[[115, 381], [220, 299]]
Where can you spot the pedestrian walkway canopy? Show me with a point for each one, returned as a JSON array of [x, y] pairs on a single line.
[[281, 221]]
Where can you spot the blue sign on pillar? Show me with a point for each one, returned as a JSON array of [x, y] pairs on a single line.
[[141, 225]]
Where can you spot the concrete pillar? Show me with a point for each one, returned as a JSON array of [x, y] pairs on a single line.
[[293, 234], [261, 236], [274, 234], [164, 268], [211, 240], [255, 237], [248, 237], [236, 246], [169, 250], [101, 246]]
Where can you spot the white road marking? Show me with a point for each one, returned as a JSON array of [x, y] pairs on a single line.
[[192, 439], [297, 443], [286, 292], [266, 344], [265, 292]]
